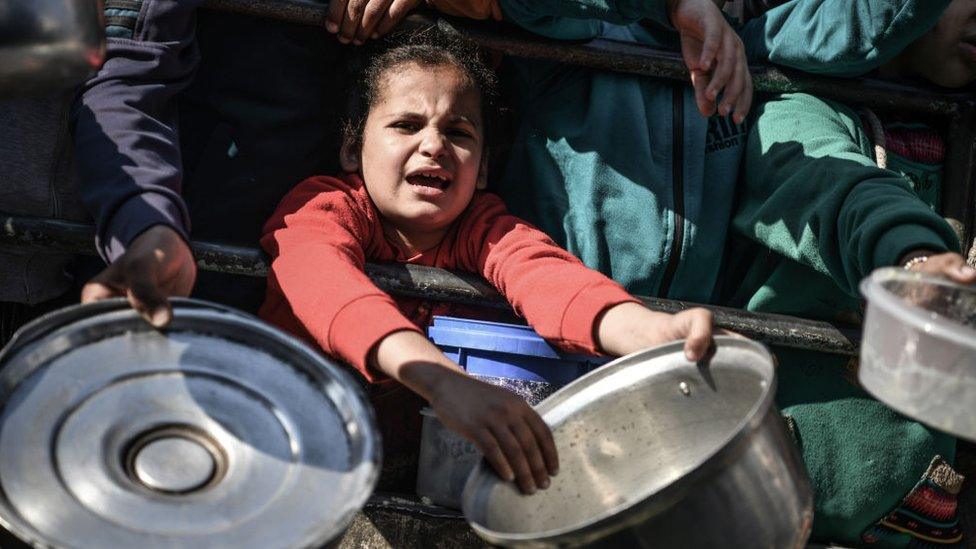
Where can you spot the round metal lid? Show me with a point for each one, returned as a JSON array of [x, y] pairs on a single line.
[[220, 431], [174, 464]]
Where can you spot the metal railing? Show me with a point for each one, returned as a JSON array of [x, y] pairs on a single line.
[[437, 284]]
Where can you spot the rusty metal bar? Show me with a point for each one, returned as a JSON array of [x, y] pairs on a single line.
[[430, 283], [625, 57]]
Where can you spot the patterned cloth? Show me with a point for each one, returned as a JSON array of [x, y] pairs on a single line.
[[121, 17], [915, 142], [928, 514]]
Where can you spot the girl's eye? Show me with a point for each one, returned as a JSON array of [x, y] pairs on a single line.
[[406, 127], [459, 132]]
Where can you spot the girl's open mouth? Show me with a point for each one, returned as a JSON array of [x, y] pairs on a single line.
[[429, 180]]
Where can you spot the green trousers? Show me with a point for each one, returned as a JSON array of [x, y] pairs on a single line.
[[863, 458]]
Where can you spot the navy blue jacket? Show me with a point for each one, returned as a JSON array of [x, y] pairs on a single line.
[[203, 115], [125, 122]]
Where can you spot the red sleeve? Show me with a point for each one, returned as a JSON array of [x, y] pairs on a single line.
[[316, 285], [559, 296]]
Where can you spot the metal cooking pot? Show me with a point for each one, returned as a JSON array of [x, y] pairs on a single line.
[[656, 451], [918, 353], [48, 44], [218, 432]]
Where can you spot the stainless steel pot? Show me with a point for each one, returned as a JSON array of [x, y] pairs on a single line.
[[656, 451], [219, 432], [48, 44], [918, 353]]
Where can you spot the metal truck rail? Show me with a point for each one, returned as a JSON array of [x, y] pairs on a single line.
[[437, 284]]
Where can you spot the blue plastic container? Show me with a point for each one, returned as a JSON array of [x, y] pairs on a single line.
[[511, 351], [507, 355]]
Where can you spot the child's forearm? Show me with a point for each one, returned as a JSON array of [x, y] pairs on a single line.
[[629, 327], [411, 359]]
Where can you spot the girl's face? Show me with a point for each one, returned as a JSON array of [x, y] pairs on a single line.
[[421, 150], [946, 55]]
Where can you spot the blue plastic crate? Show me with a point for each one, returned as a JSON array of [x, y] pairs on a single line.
[[511, 351]]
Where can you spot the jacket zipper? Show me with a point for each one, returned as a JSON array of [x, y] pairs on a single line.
[[678, 186]]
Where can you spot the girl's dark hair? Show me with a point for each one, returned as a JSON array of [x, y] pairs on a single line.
[[431, 48]]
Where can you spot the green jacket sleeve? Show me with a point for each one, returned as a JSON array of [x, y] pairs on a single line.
[[839, 37], [812, 193], [580, 19]]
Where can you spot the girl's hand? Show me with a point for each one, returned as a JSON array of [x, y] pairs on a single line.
[[630, 327], [510, 434], [949, 265], [714, 54], [359, 20]]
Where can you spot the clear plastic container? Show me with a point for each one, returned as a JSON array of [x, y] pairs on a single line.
[[918, 353]]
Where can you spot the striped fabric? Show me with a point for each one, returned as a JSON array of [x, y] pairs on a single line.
[[121, 17], [916, 143], [928, 514]]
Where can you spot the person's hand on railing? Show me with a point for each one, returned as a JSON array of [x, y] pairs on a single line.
[[714, 54], [355, 21], [157, 265]]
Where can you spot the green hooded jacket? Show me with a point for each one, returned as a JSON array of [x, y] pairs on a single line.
[[816, 215], [622, 170]]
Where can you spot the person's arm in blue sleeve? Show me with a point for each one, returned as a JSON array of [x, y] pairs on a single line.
[[126, 141], [839, 37], [125, 129]]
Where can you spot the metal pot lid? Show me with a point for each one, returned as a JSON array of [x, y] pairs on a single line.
[[633, 436], [219, 431]]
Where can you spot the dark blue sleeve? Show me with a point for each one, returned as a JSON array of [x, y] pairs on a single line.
[[124, 122]]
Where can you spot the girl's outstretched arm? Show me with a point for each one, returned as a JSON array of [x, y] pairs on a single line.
[[629, 327]]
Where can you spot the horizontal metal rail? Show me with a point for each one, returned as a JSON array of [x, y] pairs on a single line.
[[627, 57], [437, 284]]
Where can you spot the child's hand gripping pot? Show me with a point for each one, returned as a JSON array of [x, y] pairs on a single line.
[[414, 152]]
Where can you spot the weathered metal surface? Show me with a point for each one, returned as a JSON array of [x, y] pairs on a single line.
[[439, 284]]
